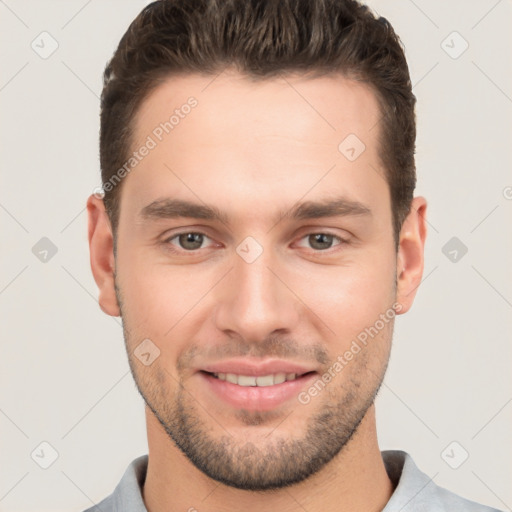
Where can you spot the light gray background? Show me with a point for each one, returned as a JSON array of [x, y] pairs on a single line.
[[64, 372]]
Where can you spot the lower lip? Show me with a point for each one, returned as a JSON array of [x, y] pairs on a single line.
[[256, 398]]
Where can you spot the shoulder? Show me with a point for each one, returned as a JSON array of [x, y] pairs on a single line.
[[106, 505], [127, 496], [416, 491]]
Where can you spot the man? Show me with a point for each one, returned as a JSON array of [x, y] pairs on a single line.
[[258, 235]]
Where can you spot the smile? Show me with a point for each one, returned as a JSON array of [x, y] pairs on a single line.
[[251, 380]]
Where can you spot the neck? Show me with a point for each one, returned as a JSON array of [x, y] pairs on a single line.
[[355, 480]]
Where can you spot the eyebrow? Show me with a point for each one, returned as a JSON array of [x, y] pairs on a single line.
[[168, 208]]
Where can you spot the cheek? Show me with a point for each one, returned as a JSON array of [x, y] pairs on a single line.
[[339, 300], [158, 298], [350, 297]]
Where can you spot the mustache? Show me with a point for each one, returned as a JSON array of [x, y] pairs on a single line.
[[271, 347]]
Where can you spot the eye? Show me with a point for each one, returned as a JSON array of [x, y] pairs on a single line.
[[192, 241], [188, 241], [322, 241]]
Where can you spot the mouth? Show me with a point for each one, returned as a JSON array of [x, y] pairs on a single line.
[[255, 392], [260, 380]]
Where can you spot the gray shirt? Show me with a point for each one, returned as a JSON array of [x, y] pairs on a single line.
[[414, 490]]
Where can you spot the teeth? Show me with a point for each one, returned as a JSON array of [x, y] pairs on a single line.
[[264, 380], [279, 378], [246, 380], [261, 381], [230, 377]]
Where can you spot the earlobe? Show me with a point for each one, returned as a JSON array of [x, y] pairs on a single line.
[[410, 259], [101, 248]]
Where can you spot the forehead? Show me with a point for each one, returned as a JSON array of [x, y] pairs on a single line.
[[307, 109], [231, 137]]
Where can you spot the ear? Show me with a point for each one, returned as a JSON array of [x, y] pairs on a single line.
[[409, 270], [101, 248]]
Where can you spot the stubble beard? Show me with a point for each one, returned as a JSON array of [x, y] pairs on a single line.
[[276, 462]]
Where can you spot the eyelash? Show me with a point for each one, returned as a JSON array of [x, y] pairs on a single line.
[[169, 246]]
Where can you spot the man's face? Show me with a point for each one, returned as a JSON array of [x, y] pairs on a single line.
[[262, 285]]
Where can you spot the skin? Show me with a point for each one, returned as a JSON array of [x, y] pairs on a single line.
[[253, 150]]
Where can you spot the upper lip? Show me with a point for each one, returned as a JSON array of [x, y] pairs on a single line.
[[254, 368]]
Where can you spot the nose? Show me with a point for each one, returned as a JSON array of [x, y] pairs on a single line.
[[255, 301]]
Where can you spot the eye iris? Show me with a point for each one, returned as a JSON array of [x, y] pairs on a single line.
[[195, 239], [191, 241], [324, 240]]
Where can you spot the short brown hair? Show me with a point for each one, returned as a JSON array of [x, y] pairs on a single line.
[[261, 39]]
